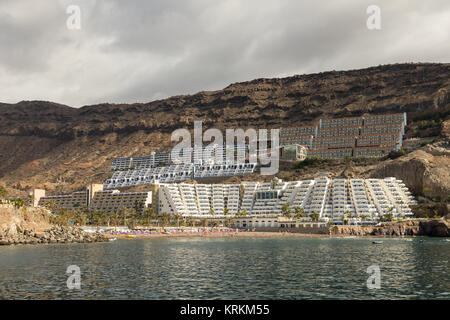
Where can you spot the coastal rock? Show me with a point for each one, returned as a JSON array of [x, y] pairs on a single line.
[[35, 228], [424, 171], [423, 227], [436, 228]]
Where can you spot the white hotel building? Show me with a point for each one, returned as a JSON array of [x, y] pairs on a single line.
[[334, 200]]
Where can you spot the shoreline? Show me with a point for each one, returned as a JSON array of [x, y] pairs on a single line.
[[253, 235], [403, 229], [241, 234]]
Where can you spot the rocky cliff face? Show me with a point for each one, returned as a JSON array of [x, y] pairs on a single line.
[[59, 148], [425, 171], [32, 226], [432, 228]]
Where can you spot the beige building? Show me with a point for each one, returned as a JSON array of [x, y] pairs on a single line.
[[113, 200], [293, 152], [364, 136], [36, 195], [70, 201], [94, 197]]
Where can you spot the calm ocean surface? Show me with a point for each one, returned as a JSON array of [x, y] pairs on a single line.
[[229, 269]]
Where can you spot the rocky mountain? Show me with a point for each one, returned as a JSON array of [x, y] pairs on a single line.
[[28, 225], [60, 148]]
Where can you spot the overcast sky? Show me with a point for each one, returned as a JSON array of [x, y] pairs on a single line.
[[142, 50]]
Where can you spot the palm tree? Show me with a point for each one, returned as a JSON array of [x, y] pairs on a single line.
[[314, 216], [51, 206], [356, 215], [82, 218], [226, 211], [115, 218], [348, 214], [388, 216], [285, 211], [243, 213], [101, 217], [138, 206], [148, 214], [132, 217], [109, 218], [214, 224], [93, 217], [299, 212], [189, 221], [123, 212], [62, 217], [165, 219], [177, 219]]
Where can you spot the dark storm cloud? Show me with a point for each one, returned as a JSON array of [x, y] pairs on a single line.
[[128, 51]]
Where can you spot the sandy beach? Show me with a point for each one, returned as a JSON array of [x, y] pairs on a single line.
[[245, 234], [222, 235]]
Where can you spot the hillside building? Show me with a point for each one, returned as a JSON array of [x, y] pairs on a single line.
[[366, 136], [293, 152], [94, 197], [333, 200], [176, 173]]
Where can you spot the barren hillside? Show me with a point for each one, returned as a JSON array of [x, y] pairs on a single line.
[[59, 148]]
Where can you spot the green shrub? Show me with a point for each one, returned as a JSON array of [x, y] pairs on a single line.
[[395, 154], [310, 162]]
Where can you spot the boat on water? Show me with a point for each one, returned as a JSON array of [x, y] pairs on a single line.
[[377, 242]]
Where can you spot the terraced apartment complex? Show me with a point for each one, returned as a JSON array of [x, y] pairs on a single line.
[[366, 136], [176, 173], [154, 160], [195, 155], [194, 163], [332, 199]]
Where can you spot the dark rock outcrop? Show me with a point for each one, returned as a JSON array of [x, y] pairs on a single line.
[[424, 171], [422, 227], [435, 228], [57, 234], [32, 226]]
